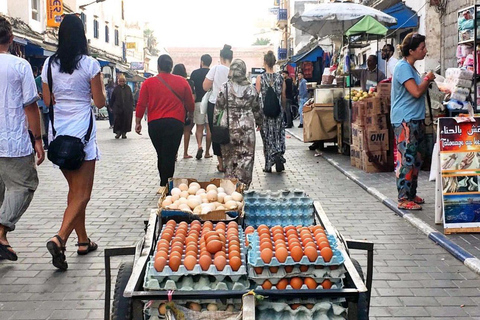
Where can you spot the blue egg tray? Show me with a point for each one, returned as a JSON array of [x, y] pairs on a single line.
[[254, 259], [278, 208]]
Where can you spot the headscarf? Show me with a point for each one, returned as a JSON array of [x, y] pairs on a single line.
[[238, 73]]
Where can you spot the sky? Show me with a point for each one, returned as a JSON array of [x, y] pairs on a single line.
[[207, 23]]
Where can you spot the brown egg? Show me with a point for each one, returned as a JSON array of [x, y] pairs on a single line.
[[175, 254], [326, 254], [220, 226], [262, 228], [291, 232], [174, 263], [211, 235], [326, 284], [265, 237], [220, 253], [167, 235], [220, 262], [205, 261], [267, 285], [308, 241], [295, 306], [311, 253], [273, 269], [282, 284], [296, 253], [234, 247], [258, 270], [233, 224], [309, 306], [266, 255], [280, 244], [278, 236], [303, 268], [296, 283], [234, 242], [189, 262], [208, 224], [232, 254], [323, 244], [222, 237], [281, 254], [159, 264], [161, 253], [249, 230], [310, 283], [266, 244], [235, 263], [288, 269], [288, 228], [214, 246]]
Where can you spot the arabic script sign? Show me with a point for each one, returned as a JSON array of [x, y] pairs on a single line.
[[54, 13]]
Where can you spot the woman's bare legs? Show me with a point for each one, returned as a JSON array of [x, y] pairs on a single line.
[[186, 140]]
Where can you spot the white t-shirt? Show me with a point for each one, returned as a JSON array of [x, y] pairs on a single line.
[[391, 63], [219, 75], [73, 95], [17, 90]]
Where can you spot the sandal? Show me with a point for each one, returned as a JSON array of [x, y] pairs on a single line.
[[418, 200], [91, 246], [58, 253], [267, 170], [279, 167], [409, 205], [5, 253], [187, 156], [207, 156], [199, 154], [218, 168]]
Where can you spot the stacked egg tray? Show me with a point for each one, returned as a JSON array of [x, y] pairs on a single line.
[[224, 310], [208, 279], [278, 208], [273, 283], [301, 310]]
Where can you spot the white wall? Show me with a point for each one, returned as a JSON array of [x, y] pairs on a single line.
[[3, 7], [23, 9]]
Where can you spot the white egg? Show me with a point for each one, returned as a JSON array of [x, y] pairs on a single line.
[[200, 191], [221, 196], [173, 206], [211, 187], [184, 194], [166, 203], [183, 187], [175, 191], [212, 307], [203, 196], [184, 207], [212, 195], [204, 200], [237, 196], [220, 189], [194, 184], [230, 205], [182, 201], [177, 202], [227, 198], [175, 197], [193, 190], [220, 207], [193, 203], [169, 198], [197, 210]]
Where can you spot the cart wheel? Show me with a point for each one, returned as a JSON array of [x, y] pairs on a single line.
[[360, 313], [122, 307]]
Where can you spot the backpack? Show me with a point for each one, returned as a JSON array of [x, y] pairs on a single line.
[[271, 105]]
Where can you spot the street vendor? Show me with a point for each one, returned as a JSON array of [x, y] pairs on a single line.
[[370, 76]]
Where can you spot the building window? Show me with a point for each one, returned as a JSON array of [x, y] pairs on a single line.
[[117, 37], [83, 17], [95, 29], [35, 9], [107, 34]]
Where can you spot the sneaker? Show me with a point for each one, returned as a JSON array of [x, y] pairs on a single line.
[[300, 125]]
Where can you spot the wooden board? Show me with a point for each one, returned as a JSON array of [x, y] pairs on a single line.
[[462, 230]]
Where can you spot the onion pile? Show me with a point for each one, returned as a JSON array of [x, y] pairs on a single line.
[[194, 199]]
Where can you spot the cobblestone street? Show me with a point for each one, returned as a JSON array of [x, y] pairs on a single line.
[[413, 277]]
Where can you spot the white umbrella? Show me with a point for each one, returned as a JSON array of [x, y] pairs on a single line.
[[335, 17]]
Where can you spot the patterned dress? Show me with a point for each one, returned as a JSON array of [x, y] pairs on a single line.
[[273, 129], [244, 114]]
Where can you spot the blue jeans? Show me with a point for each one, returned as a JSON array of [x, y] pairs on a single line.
[[301, 103]]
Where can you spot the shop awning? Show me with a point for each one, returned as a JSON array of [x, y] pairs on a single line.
[[406, 17], [311, 55], [368, 25], [38, 48], [104, 63]]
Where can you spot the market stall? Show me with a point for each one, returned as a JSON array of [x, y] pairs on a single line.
[[280, 258]]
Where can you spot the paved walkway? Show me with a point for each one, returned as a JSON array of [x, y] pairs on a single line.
[[413, 277]]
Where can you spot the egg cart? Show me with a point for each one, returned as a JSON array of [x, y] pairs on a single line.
[[130, 296]]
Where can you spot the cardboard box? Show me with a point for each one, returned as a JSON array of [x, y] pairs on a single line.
[[318, 124], [358, 112], [374, 161], [374, 106], [377, 121], [357, 136], [384, 89], [355, 157], [375, 140]]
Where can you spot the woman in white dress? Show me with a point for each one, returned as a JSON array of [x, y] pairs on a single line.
[[76, 78]]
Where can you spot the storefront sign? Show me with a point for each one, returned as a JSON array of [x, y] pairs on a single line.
[[136, 65], [54, 13], [131, 45], [460, 171]]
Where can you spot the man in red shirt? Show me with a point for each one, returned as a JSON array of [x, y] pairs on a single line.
[[167, 98]]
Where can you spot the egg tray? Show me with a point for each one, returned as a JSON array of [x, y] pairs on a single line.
[[336, 284], [153, 314], [321, 310], [182, 271], [197, 283], [255, 260], [281, 194], [312, 272]]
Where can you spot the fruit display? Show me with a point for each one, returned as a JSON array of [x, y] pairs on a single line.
[[278, 208], [301, 310], [358, 95], [202, 198]]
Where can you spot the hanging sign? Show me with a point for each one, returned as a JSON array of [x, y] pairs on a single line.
[[131, 45], [54, 13], [460, 171]]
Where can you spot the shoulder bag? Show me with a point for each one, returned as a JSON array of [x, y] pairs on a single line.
[[67, 152], [221, 134], [204, 102], [188, 121]]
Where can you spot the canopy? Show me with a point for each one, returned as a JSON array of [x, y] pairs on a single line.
[[406, 17], [311, 55], [368, 25]]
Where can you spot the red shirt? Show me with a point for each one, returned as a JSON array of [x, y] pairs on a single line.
[[160, 102]]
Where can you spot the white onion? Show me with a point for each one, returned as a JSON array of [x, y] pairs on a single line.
[[237, 196], [169, 198], [200, 191], [221, 196], [193, 203], [195, 184], [184, 194], [166, 203], [227, 198], [193, 190], [220, 189], [175, 197], [182, 201], [184, 207], [183, 187], [231, 205], [212, 307], [173, 206], [212, 195], [175, 191], [220, 207], [211, 187]]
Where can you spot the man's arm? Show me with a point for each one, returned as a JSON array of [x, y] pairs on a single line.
[[33, 117]]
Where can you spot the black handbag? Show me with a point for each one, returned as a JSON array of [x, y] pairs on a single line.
[[221, 134], [67, 152], [188, 121]]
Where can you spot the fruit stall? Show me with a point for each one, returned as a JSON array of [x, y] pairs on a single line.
[[272, 255]]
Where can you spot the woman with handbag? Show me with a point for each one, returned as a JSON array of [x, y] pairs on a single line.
[[167, 98], [237, 107], [407, 117], [179, 70], [273, 129], [215, 79], [74, 78]]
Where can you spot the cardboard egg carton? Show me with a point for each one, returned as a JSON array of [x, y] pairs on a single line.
[[197, 269], [195, 283], [322, 309], [312, 272], [281, 194], [255, 260], [336, 284]]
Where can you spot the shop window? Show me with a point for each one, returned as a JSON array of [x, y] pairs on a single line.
[[107, 34], [35, 9], [117, 37], [95, 29], [83, 17]]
